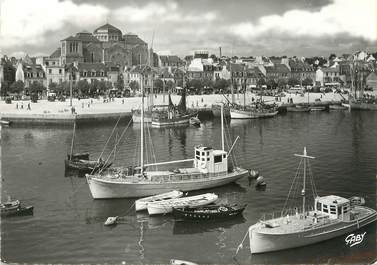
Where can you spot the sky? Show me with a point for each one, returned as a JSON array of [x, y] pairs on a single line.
[[178, 27]]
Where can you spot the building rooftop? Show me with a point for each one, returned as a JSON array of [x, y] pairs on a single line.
[[108, 28], [91, 66], [133, 39], [57, 53]]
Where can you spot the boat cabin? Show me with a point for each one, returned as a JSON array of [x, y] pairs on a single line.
[[208, 160], [335, 207]]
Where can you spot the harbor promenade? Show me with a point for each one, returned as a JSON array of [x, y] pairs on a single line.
[[94, 110]]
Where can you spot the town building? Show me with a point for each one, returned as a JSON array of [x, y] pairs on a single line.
[[106, 44], [371, 81], [170, 61], [29, 73], [301, 71]]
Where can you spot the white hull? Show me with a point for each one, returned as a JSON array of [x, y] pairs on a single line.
[[141, 204], [261, 242], [248, 114], [118, 188], [165, 207], [170, 122]]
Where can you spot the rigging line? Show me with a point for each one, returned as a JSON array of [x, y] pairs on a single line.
[[114, 148], [109, 137], [152, 147], [293, 182]]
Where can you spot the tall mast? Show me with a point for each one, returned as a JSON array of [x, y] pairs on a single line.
[[222, 127], [304, 184], [142, 127], [73, 139], [304, 156]]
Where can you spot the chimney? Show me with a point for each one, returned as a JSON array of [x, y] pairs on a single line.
[[220, 52]]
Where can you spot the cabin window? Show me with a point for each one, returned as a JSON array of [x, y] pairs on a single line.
[[218, 159], [325, 210], [319, 206], [224, 156], [208, 158], [203, 159]]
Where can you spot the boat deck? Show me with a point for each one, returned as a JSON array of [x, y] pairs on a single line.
[[298, 223]]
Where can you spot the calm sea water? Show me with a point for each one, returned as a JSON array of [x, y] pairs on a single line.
[[67, 226]]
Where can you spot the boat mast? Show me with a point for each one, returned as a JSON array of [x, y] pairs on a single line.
[[305, 156], [73, 139], [222, 127], [142, 127]]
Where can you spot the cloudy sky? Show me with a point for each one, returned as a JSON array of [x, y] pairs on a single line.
[[240, 27]]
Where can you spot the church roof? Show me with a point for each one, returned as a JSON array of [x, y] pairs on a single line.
[[109, 29], [56, 53], [133, 39]]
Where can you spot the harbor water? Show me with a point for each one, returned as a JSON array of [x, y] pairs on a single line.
[[67, 225]]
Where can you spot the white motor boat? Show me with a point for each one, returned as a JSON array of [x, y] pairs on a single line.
[[141, 204], [164, 207], [331, 216]]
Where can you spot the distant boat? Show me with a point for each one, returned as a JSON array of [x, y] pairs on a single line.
[[317, 108], [209, 212], [164, 207], [80, 161], [181, 262], [174, 116], [330, 217], [238, 112], [141, 204], [298, 108], [14, 208], [337, 107], [5, 123]]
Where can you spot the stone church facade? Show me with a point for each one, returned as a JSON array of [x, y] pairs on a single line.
[[106, 44]]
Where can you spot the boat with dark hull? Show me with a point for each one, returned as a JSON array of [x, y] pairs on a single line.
[[175, 115], [209, 212], [14, 208], [331, 216], [298, 108], [86, 164]]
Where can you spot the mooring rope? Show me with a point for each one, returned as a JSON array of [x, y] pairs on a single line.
[[240, 246]]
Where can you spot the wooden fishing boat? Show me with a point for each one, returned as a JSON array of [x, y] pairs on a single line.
[[14, 208], [5, 123], [211, 168], [164, 207], [87, 165], [209, 212], [81, 162], [331, 216], [141, 204], [298, 108]]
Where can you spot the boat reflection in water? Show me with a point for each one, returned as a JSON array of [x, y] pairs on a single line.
[[188, 227]]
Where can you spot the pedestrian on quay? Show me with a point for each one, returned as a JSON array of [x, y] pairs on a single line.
[[88, 104], [22, 105], [122, 100], [91, 101], [17, 105], [28, 106]]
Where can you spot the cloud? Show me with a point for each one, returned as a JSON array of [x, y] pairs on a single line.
[[25, 22], [161, 12], [356, 18]]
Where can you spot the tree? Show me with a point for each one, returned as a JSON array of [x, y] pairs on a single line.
[[221, 85], [158, 85], [332, 56], [120, 83], [83, 87], [17, 87], [282, 82], [261, 82], [36, 88], [293, 81], [195, 84], [214, 57], [307, 82], [271, 83], [169, 85], [53, 86], [134, 86]]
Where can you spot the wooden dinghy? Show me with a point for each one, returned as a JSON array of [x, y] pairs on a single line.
[[209, 212], [164, 207], [141, 204]]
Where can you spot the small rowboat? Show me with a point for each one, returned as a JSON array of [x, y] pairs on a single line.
[[195, 121], [4, 122], [209, 212], [141, 204], [86, 165], [164, 207], [181, 262], [14, 208]]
